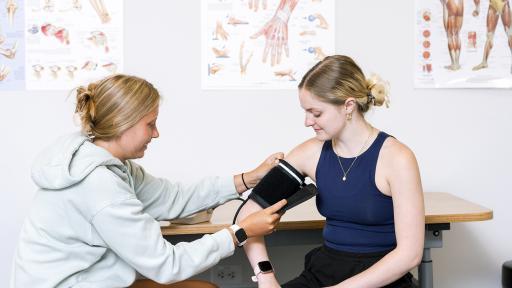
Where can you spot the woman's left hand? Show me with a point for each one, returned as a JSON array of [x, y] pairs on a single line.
[[253, 177]]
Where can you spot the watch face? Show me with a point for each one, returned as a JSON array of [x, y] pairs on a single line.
[[265, 266], [240, 235]]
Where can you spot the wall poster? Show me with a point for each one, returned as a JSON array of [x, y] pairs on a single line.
[[263, 44], [59, 44], [463, 44]]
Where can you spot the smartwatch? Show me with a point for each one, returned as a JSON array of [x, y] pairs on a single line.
[[240, 235], [262, 267]]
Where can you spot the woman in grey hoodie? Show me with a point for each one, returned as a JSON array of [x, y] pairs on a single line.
[[94, 219]]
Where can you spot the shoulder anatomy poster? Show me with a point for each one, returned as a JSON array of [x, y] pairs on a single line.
[[463, 44], [263, 44], [12, 58], [61, 43]]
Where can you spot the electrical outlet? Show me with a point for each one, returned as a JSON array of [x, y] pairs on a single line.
[[226, 274]]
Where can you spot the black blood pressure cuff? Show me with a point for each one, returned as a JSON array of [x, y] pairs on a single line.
[[282, 182]]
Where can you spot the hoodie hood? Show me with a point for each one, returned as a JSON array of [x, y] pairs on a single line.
[[68, 161]]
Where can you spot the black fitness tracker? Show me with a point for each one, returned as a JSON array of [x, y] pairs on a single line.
[[240, 235], [262, 267]]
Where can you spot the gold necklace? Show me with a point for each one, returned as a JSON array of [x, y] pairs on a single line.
[[345, 173]]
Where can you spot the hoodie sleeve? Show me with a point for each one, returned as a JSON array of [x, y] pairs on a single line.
[[164, 200], [135, 237]]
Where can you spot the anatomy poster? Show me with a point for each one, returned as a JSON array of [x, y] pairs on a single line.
[[71, 42], [263, 44], [12, 54], [463, 44]]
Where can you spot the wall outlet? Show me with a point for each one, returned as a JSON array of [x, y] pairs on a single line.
[[226, 274]]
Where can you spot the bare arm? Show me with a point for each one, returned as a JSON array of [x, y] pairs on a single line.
[[301, 158], [404, 183]]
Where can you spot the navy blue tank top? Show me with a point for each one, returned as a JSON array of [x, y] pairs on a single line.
[[359, 218]]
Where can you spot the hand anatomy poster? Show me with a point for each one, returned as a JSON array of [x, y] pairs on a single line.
[[61, 44], [263, 44], [463, 44]]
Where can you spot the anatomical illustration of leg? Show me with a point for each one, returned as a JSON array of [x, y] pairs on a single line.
[[111, 67], [244, 63], [492, 22], [38, 70], [99, 38], [71, 69], [11, 9], [9, 53], [453, 11], [285, 73], [4, 71], [506, 19], [101, 10]]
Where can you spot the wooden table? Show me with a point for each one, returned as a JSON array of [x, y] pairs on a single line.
[[441, 209]]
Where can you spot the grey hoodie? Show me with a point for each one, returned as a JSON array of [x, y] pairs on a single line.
[[92, 222]]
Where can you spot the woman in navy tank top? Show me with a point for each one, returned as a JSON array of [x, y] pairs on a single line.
[[369, 186]]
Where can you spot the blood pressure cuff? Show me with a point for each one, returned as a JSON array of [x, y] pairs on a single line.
[[282, 182]]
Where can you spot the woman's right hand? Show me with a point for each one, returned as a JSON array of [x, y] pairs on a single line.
[[262, 222]]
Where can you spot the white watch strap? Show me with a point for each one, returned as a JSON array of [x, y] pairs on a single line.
[[233, 229]]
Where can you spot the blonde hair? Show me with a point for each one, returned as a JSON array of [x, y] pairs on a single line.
[[336, 78], [108, 107]]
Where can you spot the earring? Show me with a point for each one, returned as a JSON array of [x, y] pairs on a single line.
[[349, 116]]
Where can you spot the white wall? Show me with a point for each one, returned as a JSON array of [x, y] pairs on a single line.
[[462, 138]]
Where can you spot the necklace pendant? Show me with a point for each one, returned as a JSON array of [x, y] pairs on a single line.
[[344, 178]]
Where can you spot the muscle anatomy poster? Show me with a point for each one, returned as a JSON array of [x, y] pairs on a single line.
[[61, 44], [463, 44], [263, 44]]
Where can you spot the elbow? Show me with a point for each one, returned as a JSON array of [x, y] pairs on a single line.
[[416, 260], [415, 257]]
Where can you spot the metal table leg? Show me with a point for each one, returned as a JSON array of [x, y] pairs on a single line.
[[433, 239]]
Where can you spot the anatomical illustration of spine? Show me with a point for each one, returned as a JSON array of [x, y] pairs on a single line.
[[101, 10]]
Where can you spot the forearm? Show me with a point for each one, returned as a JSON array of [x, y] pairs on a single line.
[[285, 9], [255, 248], [387, 270]]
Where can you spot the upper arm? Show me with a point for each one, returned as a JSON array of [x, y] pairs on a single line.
[[305, 156], [404, 181]]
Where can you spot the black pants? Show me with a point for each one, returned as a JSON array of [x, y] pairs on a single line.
[[324, 266]]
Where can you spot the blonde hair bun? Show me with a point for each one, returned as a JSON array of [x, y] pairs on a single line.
[[379, 89]]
